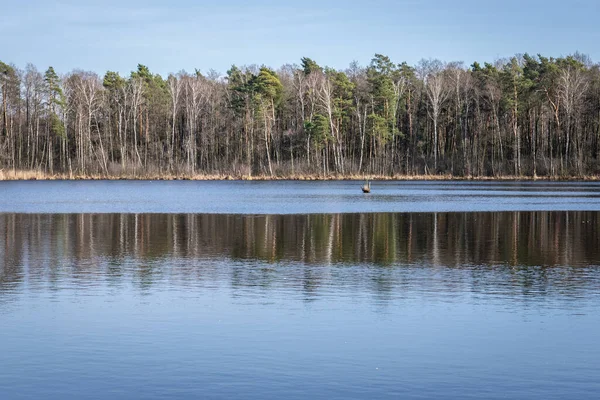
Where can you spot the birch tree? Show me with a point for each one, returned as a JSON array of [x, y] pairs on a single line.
[[436, 85]]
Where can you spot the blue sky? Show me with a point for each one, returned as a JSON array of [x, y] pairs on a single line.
[[169, 36]]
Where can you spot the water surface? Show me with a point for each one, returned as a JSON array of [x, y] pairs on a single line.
[[328, 306], [293, 197]]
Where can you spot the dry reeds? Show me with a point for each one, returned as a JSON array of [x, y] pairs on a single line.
[[20, 175]]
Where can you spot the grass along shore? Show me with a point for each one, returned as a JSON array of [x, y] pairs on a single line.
[[23, 175]]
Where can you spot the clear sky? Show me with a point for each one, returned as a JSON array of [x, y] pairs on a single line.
[[169, 36]]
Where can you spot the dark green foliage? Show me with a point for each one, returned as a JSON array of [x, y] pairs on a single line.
[[112, 81], [56, 102], [318, 129], [309, 66], [267, 84]]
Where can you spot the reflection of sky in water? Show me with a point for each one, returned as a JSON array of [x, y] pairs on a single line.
[[347, 306], [288, 197], [91, 309]]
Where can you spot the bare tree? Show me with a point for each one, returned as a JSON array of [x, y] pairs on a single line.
[[326, 98], [90, 90], [436, 85], [136, 89], [175, 89], [572, 87]]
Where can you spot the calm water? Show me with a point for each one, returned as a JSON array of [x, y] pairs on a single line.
[[219, 296], [293, 197]]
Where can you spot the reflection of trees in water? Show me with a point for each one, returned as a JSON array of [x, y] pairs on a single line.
[[46, 248]]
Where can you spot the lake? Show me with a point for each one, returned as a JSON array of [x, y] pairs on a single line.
[[269, 290], [293, 197]]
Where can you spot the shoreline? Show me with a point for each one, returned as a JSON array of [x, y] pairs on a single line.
[[42, 176]]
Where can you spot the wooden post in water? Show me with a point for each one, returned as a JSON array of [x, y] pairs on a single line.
[[366, 188]]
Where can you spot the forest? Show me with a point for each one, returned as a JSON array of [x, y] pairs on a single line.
[[524, 116]]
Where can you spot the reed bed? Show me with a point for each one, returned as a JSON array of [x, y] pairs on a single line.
[[22, 175]]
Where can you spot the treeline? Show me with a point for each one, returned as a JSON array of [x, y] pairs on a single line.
[[523, 116]]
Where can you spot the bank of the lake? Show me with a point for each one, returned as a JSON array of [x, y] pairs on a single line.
[[22, 175]]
